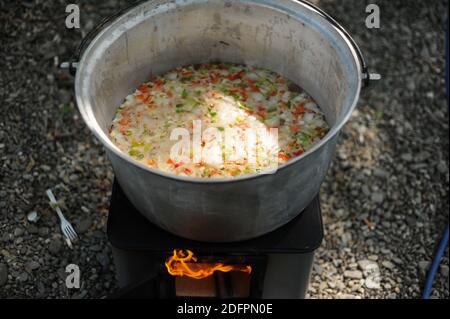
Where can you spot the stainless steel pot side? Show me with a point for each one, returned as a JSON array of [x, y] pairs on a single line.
[[288, 37]]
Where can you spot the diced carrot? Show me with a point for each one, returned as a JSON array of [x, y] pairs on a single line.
[[148, 100], [214, 79], [236, 76], [283, 156], [171, 162], [252, 86], [150, 162], [187, 171], [294, 129], [143, 88], [186, 73], [141, 97], [123, 130], [235, 172], [299, 109], [158, 82], [124, 121]]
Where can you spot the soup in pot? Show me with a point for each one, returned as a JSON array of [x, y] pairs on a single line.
[[217, 120]]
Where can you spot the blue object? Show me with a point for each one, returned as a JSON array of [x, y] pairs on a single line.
[[435, 265], [444, 241]]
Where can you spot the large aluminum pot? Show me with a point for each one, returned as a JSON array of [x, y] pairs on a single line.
[[289, 37]]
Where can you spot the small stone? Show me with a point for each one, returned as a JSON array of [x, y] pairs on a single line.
[[353, 274], [32, 265], [387, 264], [3, 274], [23, 277], [55, 246], [371, 272], [407, 157], [424, 265], [365, 264], [444, 271], [410, 84], [366, 191], [18, 232], [83, 225], [32, 229], [32, 217], [442, 167], [95, 248], [6, 237], [381, 173], [103, 259], [377, 198], [43, 231], [373, 257], [318, 269]]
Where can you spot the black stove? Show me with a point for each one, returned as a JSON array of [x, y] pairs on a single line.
[[280, 261]]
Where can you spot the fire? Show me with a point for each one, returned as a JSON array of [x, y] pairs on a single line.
[[184, 263]]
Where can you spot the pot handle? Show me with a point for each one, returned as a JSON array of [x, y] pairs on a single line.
[[72, 65], [366, 75]]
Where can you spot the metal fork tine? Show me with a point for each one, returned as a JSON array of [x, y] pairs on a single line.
[[71, 232], [67, 233], [74, 233]]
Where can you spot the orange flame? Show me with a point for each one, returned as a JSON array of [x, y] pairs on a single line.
[[184, 263]]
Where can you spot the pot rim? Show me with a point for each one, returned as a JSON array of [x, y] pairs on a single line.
[[92, 124]]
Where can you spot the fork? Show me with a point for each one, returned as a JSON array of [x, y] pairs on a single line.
[[66, 227]]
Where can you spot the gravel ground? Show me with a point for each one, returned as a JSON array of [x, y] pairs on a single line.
[[385, 200]]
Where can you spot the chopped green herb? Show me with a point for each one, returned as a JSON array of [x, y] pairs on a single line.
[[135, 143], [135, 153], [186, 78], [147, 148], [193, 102]]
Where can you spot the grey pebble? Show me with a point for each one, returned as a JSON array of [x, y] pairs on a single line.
[[3, 274], [444, 270], [424, 265], [55, 246], [377, 198], [18, 232], [407, 157], [353, 274], [83, 225], [387, 264], [23, 277], [32, 265]]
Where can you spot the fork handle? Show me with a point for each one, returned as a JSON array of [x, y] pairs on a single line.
[[55, 204]]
